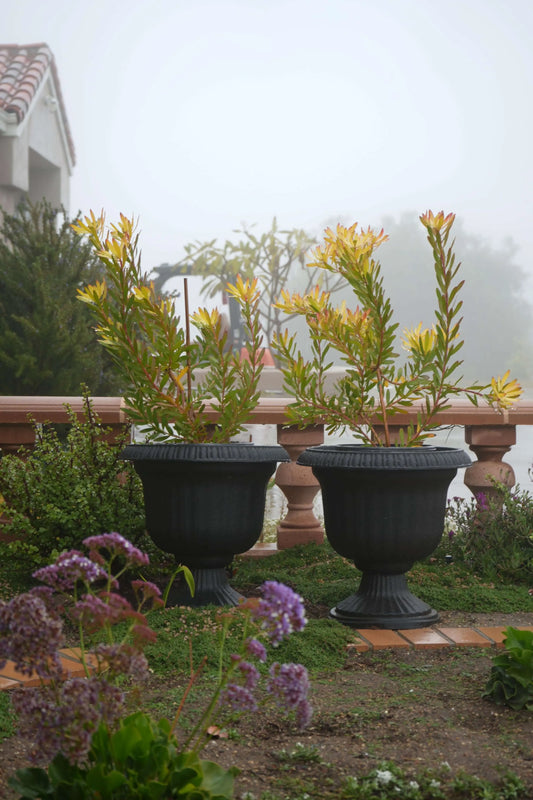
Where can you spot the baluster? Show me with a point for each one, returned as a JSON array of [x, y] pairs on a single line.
[[489, 443], [299, 485]]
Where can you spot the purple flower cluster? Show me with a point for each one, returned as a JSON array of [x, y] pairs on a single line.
[[482, 502], [238, 698], [115, 545], [69, 568], [122, 659], [249, 674], [256, 648], [63, 718], [30, 635], [289, 685], [107, 608], [280, 612], [146, 591]]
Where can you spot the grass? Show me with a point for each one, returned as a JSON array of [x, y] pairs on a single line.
[[324, 578]]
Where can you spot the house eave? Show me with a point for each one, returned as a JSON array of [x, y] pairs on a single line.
[[8, 123]]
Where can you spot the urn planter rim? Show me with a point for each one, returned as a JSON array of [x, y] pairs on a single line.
[[353, 456], [208, 452]]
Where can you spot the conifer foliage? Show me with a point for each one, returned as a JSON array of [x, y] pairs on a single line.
[[47, 346]]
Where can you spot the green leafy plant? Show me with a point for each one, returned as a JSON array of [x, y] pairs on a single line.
[[140, 759], [171, 375], [511, 678], [300, 753], [378, 384], [63, 491], [492, 533]]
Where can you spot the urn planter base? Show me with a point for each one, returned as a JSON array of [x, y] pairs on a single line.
[[211, 587], [384, 601]]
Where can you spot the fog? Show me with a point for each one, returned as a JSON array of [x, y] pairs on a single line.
[[199, 115]]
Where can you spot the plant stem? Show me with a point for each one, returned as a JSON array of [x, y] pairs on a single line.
[[187, 337]]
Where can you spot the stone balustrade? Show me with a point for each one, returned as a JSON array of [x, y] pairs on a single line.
[[489, 434]]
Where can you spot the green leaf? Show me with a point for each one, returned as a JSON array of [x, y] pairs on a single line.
[[31, 783]]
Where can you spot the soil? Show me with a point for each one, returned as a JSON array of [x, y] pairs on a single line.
[[418, 709]]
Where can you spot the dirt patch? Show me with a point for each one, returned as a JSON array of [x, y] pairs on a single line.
[[418, 709]]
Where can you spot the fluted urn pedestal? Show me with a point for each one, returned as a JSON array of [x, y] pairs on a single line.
[[384, 509], [205, 503]]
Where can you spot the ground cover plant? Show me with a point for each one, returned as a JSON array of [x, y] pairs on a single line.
[[419, 716]]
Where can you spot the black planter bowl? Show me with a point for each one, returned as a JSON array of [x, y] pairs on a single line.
[[384, 509], [204, 504]]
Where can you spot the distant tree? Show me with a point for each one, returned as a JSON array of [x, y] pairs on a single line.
[[277, 258], [47, 346]]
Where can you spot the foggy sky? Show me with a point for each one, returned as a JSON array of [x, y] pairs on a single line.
[[198, 115]]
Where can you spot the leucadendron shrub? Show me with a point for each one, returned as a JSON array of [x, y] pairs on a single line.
[[90, 737], [66, 490], [378, 383], [173, 369]]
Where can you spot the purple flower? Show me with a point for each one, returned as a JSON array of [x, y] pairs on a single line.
[[250, 674], [62, 719], [482, 503], [122, 659], [256, 648], [304, 714], [451, 534], [280, 612], [30, 635], [289, 685], [238, 698], [143, 634], [108, 608], [144, 590], [69, 568], [115, 545]]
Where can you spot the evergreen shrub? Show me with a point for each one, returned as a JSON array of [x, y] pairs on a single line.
[[67, 490]]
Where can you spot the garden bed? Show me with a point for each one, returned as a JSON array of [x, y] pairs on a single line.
[[417, 709]]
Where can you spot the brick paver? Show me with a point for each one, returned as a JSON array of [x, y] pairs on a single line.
[[383, 639], [369, 639], [465, 637], [425, 638]]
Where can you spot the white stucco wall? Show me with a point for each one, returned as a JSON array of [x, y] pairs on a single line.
[[34, 156]]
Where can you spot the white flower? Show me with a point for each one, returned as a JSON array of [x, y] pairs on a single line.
[[434, 784], [384, 776], [413, 785]]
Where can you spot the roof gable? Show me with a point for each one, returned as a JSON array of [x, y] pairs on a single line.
[[22, 71]]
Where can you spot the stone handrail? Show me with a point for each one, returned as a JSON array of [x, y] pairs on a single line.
[[488, 433]]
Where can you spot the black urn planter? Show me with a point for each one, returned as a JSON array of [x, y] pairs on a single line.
[[204, 504], [384, 509]]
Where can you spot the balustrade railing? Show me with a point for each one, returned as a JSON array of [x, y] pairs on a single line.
[[489, 434]]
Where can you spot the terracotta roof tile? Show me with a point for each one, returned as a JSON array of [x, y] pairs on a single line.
[[22, 68]]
